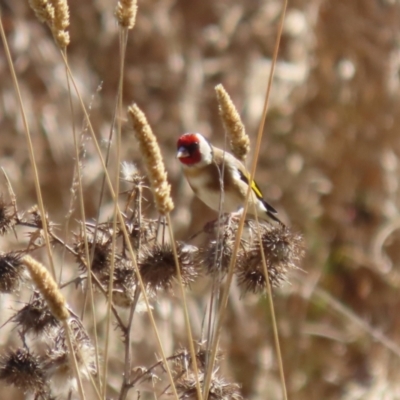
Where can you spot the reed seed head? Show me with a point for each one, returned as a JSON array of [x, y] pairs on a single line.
[[44, 11], [234, 128], [157, 265], [11, 272], [125, 13], [23, 370], [153, 160], [47, 287]]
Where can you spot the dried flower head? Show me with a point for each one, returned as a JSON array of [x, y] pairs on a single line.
[[23, 370], [153, 160], [130, 173], [124, 283], [220, 388], [57, 361], [35, 317], [157, 265], [11, 272], [102, 251], [239, 141], [216, 256], [283, 251], [47, 287], [7, 217], [125, 13]]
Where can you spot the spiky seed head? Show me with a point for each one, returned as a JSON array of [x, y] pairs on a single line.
[[102, 251], [7, 217], [216, 255], [283, 251], [23, 370], [124, 283], [11, 272], [157, 265], [35, 317], [57, 361], [220, 388]]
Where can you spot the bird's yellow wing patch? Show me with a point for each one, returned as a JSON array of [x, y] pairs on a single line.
[[253, 185]]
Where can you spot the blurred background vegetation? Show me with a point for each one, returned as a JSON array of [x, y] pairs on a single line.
[[329, 161]]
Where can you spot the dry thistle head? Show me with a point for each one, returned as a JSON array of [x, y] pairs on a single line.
[[47, 287], [57, 362], [234, 128], [216, 256], [283, 251], [153, 160], [35, 317], [23, 370], [157, 265], [11, 272], [124, 283], [125, 12], [220, 388], [7, 217], [102, 251]]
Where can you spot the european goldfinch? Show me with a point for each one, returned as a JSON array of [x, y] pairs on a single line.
[[203, 165]]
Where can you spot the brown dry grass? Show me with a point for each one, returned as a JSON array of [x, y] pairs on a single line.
[[329, 163]]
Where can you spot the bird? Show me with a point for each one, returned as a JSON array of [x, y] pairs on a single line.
[[210, 170]]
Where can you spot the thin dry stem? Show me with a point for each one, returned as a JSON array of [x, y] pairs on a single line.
[[30, 148], [123, 43], [125, 12], [225, 294], [124, 230], [47, 287], [153, 160], [238, 139]]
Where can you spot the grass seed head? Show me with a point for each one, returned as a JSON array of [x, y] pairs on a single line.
[[125, 13], [153, 160], [238, 139]]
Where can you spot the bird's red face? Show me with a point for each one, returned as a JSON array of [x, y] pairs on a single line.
[[189, 149]]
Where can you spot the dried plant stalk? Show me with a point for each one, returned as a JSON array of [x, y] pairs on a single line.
[[239, 141], [125, 12], [153, 160], [47, 287]]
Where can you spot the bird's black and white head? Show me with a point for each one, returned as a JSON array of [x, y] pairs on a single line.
[[194, 150]]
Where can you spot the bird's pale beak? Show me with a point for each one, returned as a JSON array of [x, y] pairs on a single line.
[[182, 153]]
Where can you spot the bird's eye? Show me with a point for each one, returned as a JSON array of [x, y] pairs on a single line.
[[192, 147]]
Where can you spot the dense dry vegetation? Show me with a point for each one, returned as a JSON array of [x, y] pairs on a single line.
[[329, 162]]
